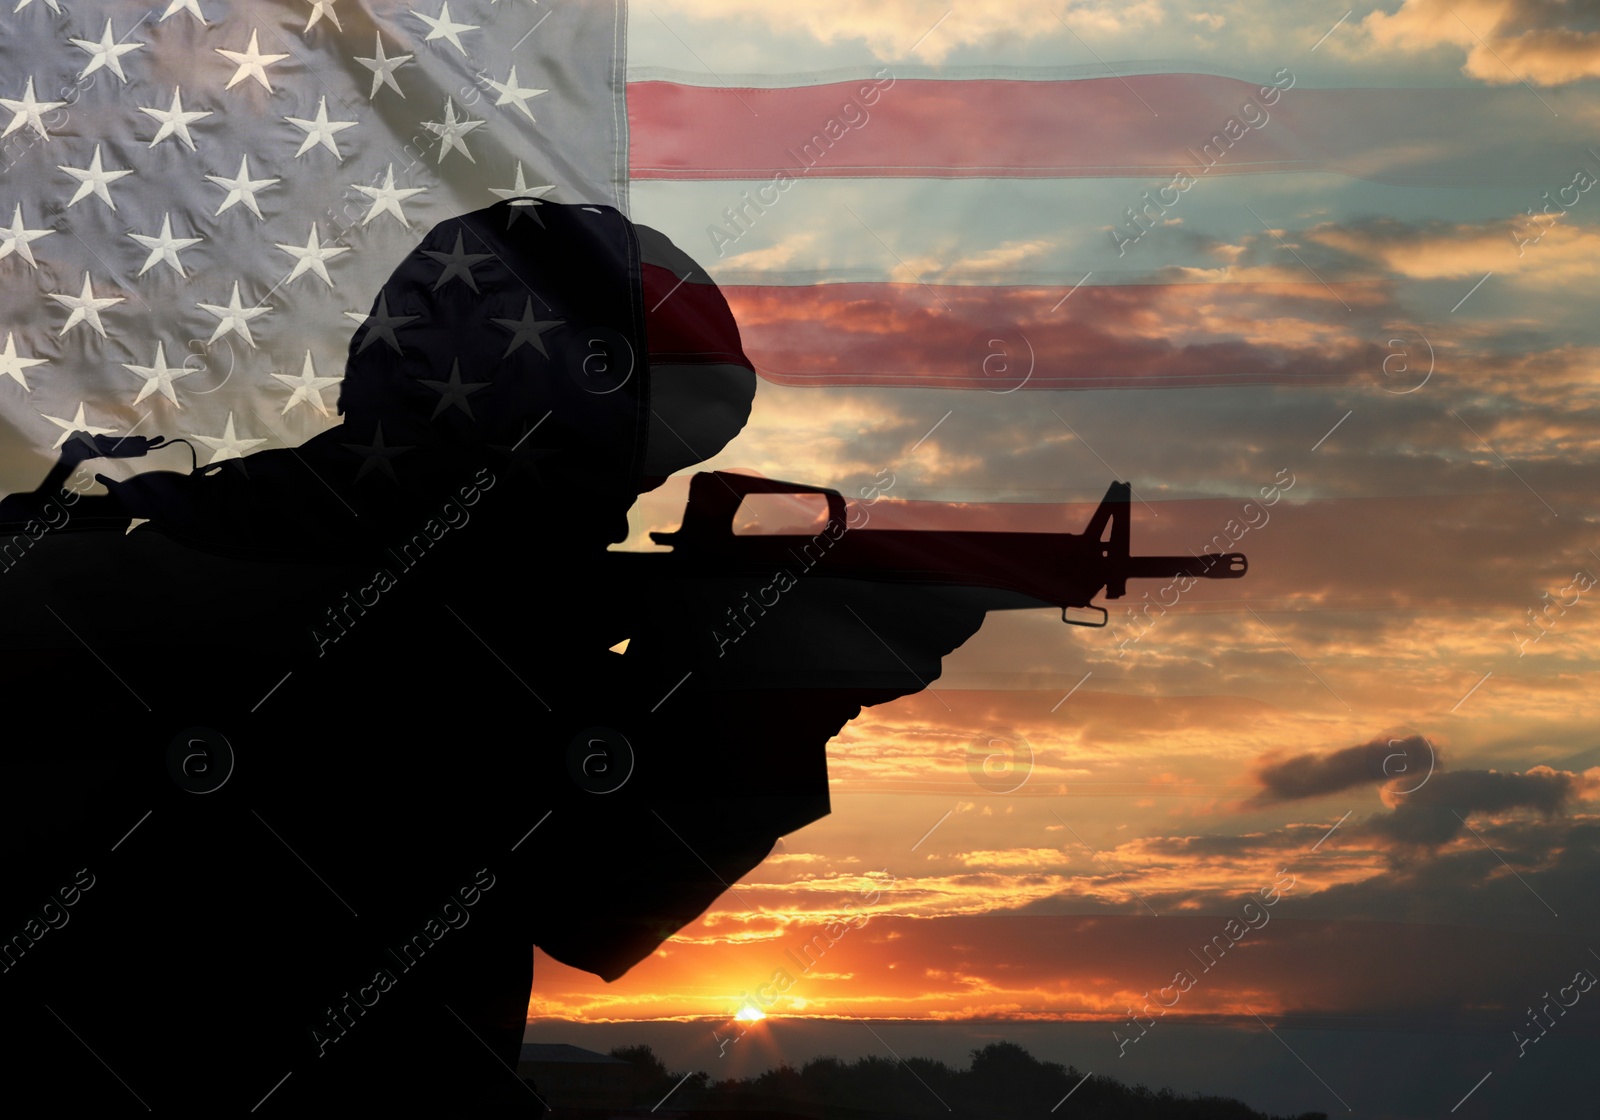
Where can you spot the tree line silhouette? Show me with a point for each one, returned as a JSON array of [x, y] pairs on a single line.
[[1003, 1080]]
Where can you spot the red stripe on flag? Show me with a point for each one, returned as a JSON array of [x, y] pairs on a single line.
[[1141, 125], [688, 321], [1004, 338]]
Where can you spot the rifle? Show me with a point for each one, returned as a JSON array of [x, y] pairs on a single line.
[[1065, 570]]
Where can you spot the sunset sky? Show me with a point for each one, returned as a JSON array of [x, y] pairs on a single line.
[[1240, 739], [1318, 281]]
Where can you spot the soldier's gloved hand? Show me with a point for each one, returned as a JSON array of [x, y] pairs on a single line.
[[81, 447]]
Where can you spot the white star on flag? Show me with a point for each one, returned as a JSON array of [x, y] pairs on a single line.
[[441, 27], [313, 257], [158, 376], [76, 424], [383, 68], [387, 198], [165, 247], [320, 130], [320, 8], [12, 366], [190, 6], [29, 111], [252, 63], [86, 307], [512, 94], [94, 179], [450, 131], [105, 53], [17, 236], [228, 445], [242, 188], [307, 387], [174, 120], [523, 198], [234, 318]]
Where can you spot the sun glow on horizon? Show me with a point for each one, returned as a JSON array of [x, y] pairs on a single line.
[[749, 1014]]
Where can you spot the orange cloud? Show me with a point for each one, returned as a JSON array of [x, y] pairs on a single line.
[[1545, 251], [1505, 41]]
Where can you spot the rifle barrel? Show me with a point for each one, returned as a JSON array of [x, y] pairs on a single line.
[[1230, 565]]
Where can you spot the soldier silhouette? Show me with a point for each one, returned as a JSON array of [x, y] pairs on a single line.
[[327, 889]]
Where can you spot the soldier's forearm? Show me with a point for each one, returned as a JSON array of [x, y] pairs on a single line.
[[39, 511]]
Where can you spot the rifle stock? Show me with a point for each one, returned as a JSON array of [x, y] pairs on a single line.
[[1065, 570]]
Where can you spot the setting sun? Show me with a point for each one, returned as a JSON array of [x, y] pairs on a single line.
[[748, 1014]]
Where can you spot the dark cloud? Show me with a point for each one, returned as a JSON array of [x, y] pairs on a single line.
[[1517, 874], [1529, 15], [1555, 861], [1437, 812], [1404, 759], [1292, 838], [1428, 806]]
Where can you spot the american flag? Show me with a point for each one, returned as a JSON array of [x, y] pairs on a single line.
[[204, 198]]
